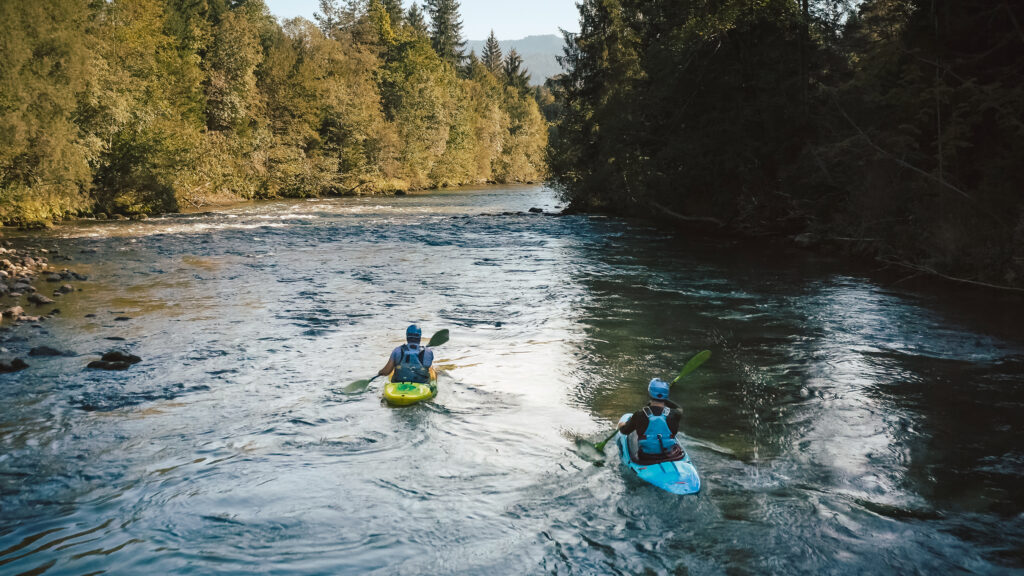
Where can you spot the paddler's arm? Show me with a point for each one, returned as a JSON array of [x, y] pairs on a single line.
[[631, 424], [388, 368]]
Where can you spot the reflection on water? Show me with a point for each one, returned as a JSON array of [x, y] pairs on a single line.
[[841, 425]]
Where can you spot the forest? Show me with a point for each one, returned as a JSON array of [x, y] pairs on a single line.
[[889, 128], [134, 107]]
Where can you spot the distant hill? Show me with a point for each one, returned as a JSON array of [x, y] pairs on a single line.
[[538, 54]]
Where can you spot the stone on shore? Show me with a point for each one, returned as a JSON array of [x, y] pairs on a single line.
[[13, 312]]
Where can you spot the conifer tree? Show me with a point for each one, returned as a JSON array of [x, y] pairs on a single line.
[[491, 56], [395, 12], [515, 75], [414, 18], [446, 30]]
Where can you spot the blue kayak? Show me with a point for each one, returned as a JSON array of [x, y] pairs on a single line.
[[677, 477]]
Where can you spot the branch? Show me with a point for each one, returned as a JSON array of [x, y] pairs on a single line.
[[899, 161], [678, 216], [927, 270]]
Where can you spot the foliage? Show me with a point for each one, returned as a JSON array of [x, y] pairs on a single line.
[[137, 106], [446, 30], [898, 124]]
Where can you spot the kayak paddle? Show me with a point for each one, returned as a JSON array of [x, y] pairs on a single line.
[[439, 337], [693, 364]]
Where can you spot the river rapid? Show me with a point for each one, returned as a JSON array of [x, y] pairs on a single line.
[[845, 424]]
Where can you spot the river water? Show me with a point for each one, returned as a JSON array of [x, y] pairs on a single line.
[[845, 424]]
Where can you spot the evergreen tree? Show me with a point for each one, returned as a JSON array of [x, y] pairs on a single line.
[[395, 12], [414, 17], [491, 56], [515, 75], [446, 30]]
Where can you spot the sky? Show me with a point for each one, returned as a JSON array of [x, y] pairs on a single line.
[[511, 20]]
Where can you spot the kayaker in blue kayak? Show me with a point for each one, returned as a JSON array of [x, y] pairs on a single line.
[[410, 361], [656, 426]]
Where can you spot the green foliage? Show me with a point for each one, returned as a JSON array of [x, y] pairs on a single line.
[[136, 106], [491, 56], [515, 75], [446, 30], [896, 124]]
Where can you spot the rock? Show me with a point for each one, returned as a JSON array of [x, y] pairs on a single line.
[[90, 315], [118, 217], [24, 318], [122, 318], [4, 290], [139, 217], [54, 311], [536, 210], [13, 365], [13, 312], [101, 216], [22, 288], [52, 277], [46, 351], [65, 289], [28, 262], [119, 356], [79, 277], [39, 299], [6, 264], [88, 251], [115, 338], [4, 274]]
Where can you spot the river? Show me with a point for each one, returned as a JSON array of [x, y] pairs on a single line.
[[847, 422]]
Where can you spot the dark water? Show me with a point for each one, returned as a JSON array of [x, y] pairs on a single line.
[[844, 425]]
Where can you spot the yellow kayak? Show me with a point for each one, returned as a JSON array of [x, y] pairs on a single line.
[[405, 393]]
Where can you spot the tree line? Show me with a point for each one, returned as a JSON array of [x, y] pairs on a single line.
[[142, 106], [893, 127]]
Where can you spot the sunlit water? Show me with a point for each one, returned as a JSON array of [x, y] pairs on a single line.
[[844, 424]]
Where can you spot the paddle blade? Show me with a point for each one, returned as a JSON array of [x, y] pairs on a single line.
[[358, 386], [693, 364], [439, 337]]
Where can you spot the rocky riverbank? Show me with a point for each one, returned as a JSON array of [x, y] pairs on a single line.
[[31, 287]]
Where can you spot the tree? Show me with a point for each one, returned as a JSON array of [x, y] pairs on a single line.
[[395, 12], [491, 56], [515, 75], [446, 30], [414, 17], [47, 66]]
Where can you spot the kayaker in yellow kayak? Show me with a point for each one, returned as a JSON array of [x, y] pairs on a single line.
[[656, 426], [410, 361]]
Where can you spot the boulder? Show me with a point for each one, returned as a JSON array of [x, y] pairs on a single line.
[[39, 299], [13, 312], [536, 210], [12, 366], [45, 351], [65, 289], [53, 277]]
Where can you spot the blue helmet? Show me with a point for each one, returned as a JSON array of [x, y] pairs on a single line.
[[658, 389], [413, 333]]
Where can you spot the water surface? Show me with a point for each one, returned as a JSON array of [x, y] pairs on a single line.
[[845, 424]]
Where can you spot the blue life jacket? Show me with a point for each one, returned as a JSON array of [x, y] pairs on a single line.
[[410, 368], [657, 439]]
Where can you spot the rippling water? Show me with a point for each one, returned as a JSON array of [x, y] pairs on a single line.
[[845, 424]]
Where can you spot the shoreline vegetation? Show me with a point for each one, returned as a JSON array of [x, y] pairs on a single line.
[[887, 129], [133, 107]]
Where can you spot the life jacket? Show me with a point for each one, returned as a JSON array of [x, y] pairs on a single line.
[[410, 366], [657, 439]]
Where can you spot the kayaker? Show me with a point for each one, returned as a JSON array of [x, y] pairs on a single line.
[[410, 361], [656, 426]]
